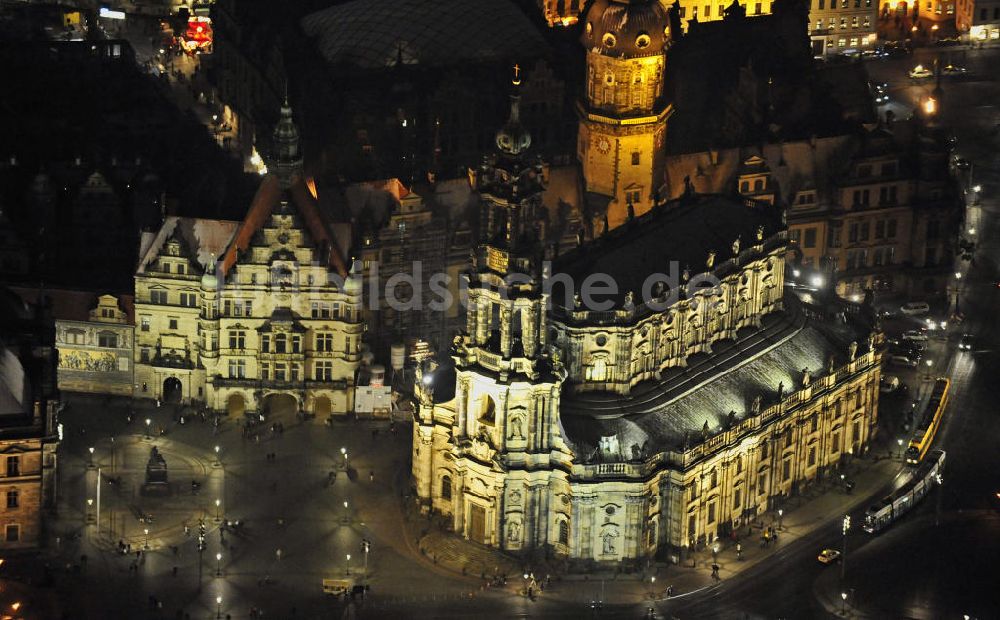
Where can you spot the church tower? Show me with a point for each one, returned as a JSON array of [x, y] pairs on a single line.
[[286, 161], [498, 482], [623, 118]]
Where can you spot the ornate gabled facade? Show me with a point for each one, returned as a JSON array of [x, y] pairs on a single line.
[[623, 115], [231, 313], [664, 422]]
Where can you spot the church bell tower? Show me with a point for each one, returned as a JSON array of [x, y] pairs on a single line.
[[623, 118]]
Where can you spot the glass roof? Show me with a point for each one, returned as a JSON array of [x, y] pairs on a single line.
[[372, 34]]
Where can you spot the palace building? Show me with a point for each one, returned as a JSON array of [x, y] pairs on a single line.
[[251, 315], [687, 404]]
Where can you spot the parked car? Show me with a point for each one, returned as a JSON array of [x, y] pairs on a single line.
[[916, 335], [915, 308], [828, 556], [903, 360], [920, 72], [888, 384], [965, 344], [950, 69]]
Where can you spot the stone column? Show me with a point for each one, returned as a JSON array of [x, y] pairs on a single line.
[[483, 319], [528, 329], [462, 406], [422, 462], [506, 338]]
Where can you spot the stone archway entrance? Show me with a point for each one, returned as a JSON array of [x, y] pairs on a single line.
[[321, 407], [477, 524], [172, 390], [236, 405], [280, 408]]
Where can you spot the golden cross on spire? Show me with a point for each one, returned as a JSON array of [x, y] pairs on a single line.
[[517, 75]]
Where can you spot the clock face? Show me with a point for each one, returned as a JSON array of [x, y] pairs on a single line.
[[603, 145]]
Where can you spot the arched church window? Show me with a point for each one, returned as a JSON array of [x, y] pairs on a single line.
[[446, 487]]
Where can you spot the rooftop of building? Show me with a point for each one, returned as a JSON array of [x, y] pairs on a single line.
[[672, 237], [73, 305], [662, 415], [378, 34]]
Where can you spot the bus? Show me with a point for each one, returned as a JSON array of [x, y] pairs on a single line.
[[894, 506], [930, 420]]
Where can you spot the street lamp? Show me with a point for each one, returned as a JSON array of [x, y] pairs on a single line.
[[930, 364], [148, 422], [715, 551], [846, 526], [843, 605], [346, 517], [145, 531], [781, 513], [348, 563], [930, 106], [218, 564], [366, 545], [900, 443], [218, 611], [218, 503], [217, 461], [652, 587], [343, 451], [90, 463]]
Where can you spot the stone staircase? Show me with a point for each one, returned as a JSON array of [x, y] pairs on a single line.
[[454, 553]]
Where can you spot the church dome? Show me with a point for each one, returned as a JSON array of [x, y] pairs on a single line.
[[513, 138], [624, 28]]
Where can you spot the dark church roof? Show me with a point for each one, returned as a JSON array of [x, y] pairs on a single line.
[[660, 414], [375, 34], [680, 232]]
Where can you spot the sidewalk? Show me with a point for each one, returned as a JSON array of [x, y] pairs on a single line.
[[802, 516]]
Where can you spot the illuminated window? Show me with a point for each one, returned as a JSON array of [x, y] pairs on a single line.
[[599, 371]]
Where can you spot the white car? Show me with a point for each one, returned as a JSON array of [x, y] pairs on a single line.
[[920, 72], [915, 308], [916, 335], [828, 556], [889, 384]]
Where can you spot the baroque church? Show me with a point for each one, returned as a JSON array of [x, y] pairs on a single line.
[[253, 315], [698, 401]]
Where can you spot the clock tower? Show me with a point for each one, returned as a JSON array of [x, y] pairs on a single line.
[[623, 118]]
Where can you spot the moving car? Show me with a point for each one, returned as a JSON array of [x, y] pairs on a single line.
[[888, 384], [953, 70], [881, 93], [920, 72], [965, 344], [828, 556], [915, 308], [903, 360]]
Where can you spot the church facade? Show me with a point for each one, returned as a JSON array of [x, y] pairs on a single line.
[[695, 403], [241, 315]]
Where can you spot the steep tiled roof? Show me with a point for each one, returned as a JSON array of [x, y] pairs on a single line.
[[205, 239], [268, 196]]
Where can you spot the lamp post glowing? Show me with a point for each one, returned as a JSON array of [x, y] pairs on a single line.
[[845, 527], [90, 462], [366, 545], [930, 364], [652, 587], [348, 563], [145, 531], [930, 106], [343, 452], [781, 513], [217, 461], [843, 605], [218, 503], [148, 422], [900, 443], [218, 564], [218, 610], [346, 517]]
